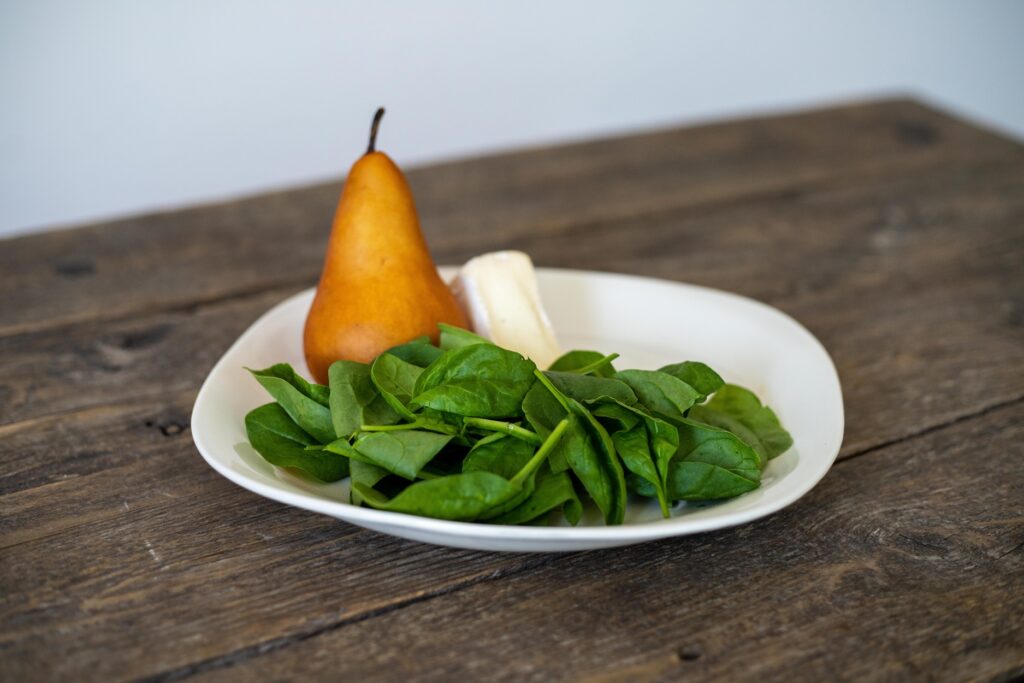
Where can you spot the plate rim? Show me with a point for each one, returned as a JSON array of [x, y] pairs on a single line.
[[637, 532]]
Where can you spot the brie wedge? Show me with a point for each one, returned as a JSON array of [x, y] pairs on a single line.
[[498, 292]]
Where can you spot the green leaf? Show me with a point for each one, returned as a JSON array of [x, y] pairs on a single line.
[[498, 453], [586, 447], [354, 399], [403, 453], [274, 435], [396, 381], [698, 375], [343, 448], [505, 456], [711, 464], [739, 411], [419, 352], [365, 474], [662, 440], [456, 338], [662, 394], [633, 447], [585, 362], [617, 415], [543, 413], [480, 380], [286, 372], [462, 497], [640, 486], [305, 403], [615, 478], [588, 388], [552, 491]]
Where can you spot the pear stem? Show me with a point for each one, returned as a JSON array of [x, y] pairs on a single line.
[[371, 148]]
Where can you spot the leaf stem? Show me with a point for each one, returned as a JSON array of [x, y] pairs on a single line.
[[389, 428], [416, 424], [506, 428], [542, 453]]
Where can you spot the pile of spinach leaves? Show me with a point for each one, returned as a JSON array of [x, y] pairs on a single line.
[[470, 431]]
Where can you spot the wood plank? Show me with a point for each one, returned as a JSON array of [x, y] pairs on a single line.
[[141, 543], [902, 256], [95, 363], [177, 259], [887, 571], [136, 498], [906, 235]]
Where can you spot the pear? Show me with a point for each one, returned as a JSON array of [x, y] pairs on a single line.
[[379, 286]]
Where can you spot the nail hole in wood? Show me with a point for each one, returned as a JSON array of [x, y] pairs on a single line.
[[168, 428], [689, 653], [74, 268]]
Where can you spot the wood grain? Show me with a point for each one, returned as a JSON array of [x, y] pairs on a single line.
[[895, 233], [42, 373], [903, 233], [177, 259], [868, 578], [139, 542]]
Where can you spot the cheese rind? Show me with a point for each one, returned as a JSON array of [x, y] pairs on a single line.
[[499, 294]]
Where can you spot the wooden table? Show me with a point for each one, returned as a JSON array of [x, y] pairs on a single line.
[[893, 231]]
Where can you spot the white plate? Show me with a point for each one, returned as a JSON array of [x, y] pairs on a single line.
[[650, 323]]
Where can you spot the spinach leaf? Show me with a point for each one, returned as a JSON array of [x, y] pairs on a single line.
[[543, 413], [403, 452], [480, 380], [622, 416], [366, 475], [662, 437], [739, 411], [711, 464], [274, 435], [354, 399], [604, 447], [585, 447], [462, 497], [542, 409], [296, 396], [396, 381], [698, 375], [551, 492], [284, 371], [344, 448], [589, 388], [662, 394], [639, 486], [498, 453], [456, 338], [633, 447], [419, 352], [505, 456], [585, 362]]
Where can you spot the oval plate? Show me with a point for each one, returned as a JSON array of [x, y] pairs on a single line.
[[650, 323]]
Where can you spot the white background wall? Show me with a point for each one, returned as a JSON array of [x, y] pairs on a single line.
[[109, 107]]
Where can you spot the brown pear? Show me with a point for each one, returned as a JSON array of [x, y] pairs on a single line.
[[379, 286]]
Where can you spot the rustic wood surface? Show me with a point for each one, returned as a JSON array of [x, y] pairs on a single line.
[[893, 231]]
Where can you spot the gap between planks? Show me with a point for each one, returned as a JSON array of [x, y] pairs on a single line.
[[791, 188], [230, 659]]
